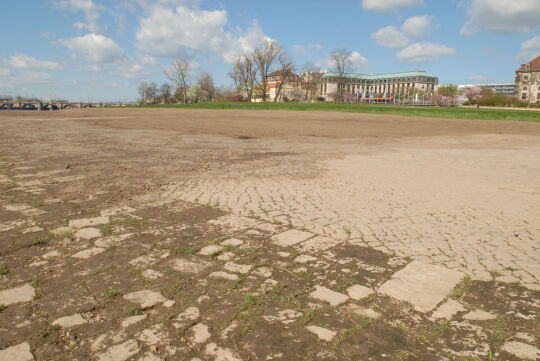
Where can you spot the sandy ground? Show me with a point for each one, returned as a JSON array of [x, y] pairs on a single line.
[[162, 234]]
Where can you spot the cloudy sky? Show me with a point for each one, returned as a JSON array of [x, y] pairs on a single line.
[[102, 49]]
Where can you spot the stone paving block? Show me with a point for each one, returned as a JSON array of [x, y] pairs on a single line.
[[422, 284], [322, 333], [210, 250], [357, 292], [121, 352], [291, 237], [20, 352], [224, 275], [219, 353], [325, 294], [233, 242], [128, 321], [116, 211], [24, 293], [238, 268], [200, 333], [318, 244], [88, 233], [364, 311], [70, 321], [522, 350], [88, 222], [448, 309], [187, 266], [145, 298], [479, 315], [87, 253], [235, 222]]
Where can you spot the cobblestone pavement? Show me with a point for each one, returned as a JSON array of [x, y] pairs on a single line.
[[471, 205], [159, 245]]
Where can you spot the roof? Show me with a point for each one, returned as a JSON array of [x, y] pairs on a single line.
[[279, 73], [532, 65], [382, 76]]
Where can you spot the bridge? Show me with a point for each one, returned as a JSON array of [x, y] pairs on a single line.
[[57, 105]]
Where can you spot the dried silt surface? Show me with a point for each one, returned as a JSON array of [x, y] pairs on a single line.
[[182, 244]]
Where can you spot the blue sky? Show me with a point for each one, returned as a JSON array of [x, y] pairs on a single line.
[[101, 50]]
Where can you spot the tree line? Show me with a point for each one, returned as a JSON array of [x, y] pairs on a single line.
[[182, 90], [249, 74]]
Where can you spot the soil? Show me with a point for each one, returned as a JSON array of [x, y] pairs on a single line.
[[371, 193]]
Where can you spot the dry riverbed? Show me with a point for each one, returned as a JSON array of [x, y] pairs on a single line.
[[153, 234]]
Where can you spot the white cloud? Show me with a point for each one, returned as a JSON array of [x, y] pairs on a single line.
[[22, 61], [33, 77], [102, 52], [46, 35], [356, 60], [414, 27], [91, 13], [96, 48], [389, 5], [170, 32], [134, 71], [530, 48], [302, 50], [423, 52], [149, 60], [417, 26], [315, 46], [390, 37], [13, 80], [502, 16]]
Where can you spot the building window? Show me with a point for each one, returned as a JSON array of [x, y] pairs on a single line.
[[525, 77], [523, 96]]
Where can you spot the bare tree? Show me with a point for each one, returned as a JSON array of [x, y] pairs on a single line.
[[309, 67], [165, 91], [264, 58], [152, 91], [341, 62], [286, 69], [179, 73], [244, 75], [143, 92], [206, 82], [311, 83]]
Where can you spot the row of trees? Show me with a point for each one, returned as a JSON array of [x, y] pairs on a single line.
[[183, 88], [486, 97], [448, 95], [249, 74], [250, 71]]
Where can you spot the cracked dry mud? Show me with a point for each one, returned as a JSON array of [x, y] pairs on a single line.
[[228, 236]]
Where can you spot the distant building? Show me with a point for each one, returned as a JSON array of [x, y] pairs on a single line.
[[528, 82], [281, 87], [505, 89], [311, 85], [413, 86]]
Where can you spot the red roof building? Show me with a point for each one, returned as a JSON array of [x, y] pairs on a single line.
[[528, 82]]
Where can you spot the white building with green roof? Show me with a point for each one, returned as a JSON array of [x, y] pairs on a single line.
[[410, 86]]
